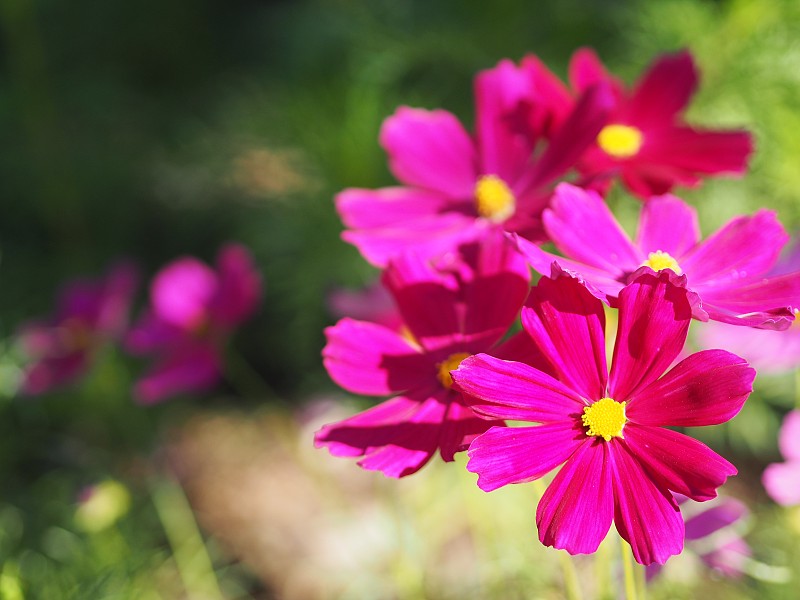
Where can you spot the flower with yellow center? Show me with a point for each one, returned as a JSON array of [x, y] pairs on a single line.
[[620, 141], [605, 418], [494, 200], [450, 364], [658, 261]]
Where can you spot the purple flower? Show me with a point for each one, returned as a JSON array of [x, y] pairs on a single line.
[[725, 272], [782, 480], [193, 310], [89, 313]]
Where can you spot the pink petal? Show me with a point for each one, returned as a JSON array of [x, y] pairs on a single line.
[[567, 324], [181, 292], [388, 207], [239, 290], [684, 465], [654, 315], [521, 348], [430, 149], [645, 514], [193, 368], [724, 514], [511, 390], [706, 388], [782, 482], [553, 101], [506, 455], [460, 427], [584, 229], [576, 510], [668, 224], [366, 358], [586, 70], [747, 247], [690, 150], [663, 91], [54, 372], [789, 437], [152, 334]]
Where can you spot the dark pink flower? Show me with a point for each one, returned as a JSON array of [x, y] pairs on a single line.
[[193, 310], [455, 186], [645, 140], [726, 271], [782, 480], [89, 313], [372, 303], [611, 432], [456, 308]]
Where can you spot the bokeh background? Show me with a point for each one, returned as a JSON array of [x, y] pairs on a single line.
[[156, 129]]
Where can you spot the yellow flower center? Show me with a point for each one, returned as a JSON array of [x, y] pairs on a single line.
[[493, 199], [658, 261], [450, 364], [620, 141], [605, 418]]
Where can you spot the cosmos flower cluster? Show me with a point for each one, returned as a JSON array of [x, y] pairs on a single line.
[[456, 241]]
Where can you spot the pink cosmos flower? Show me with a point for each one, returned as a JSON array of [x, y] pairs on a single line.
[[645, 140], [373, 303], [455, 186], [726, 271], [782, 480], [193, 310], [453, 309], [89, 313], [611, 431]]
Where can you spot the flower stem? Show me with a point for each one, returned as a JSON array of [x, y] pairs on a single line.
[[627, 566]]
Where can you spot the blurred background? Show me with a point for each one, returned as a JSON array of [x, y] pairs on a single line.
[[158, 129]]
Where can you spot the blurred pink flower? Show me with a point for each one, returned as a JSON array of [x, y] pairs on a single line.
[[727, 272], [459, 306], [456, 186], [193, 310], [782, 480], [89, 313], [611, 431], [645, 140]]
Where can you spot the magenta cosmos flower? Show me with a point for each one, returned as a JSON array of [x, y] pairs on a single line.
[[726, 270], [610, 430], [89, 313], [461, 306], [782, 480], [645, 140], [456, 186], [193, 310]]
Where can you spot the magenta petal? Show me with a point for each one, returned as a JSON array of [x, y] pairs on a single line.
[[460, 427], [706, 388], [654, 316], [685, 465], [782, 482], [521, 348], [430, 149], [723, 514], [663, 91], [511, 390], [186, 370], [367, 358], [789, 437], [687, 151], [151, 334], [668, 224], [506, 455], [181, 292], [53, 372], [646, 515], [582, 227], [239, 290], [586, 70], [576, 510], [746, 247], [387, 207], [567, 322]]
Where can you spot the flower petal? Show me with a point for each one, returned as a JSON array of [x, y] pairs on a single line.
[[181, 292], [646, 515], [706, 388], [430, 149], [687, 151], [685, 465], [510, 390], [239, 290], [668, 224], [789, 437], [193, 368], [367, 358], [567, 322], [782, 482], [663, 91], [506, 455], [576, 510], [654, 316], [460, 427], [388, 207]]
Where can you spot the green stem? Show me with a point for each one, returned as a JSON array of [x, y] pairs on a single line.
[[627, 565]]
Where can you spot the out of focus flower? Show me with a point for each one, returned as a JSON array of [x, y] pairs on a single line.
[[726, 272], [611, 431], [714, 534], [456, 186], [102, 505], [193, 310], [373, 303], [462, 305], [89, 313], [782, 480], [645, 140]]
